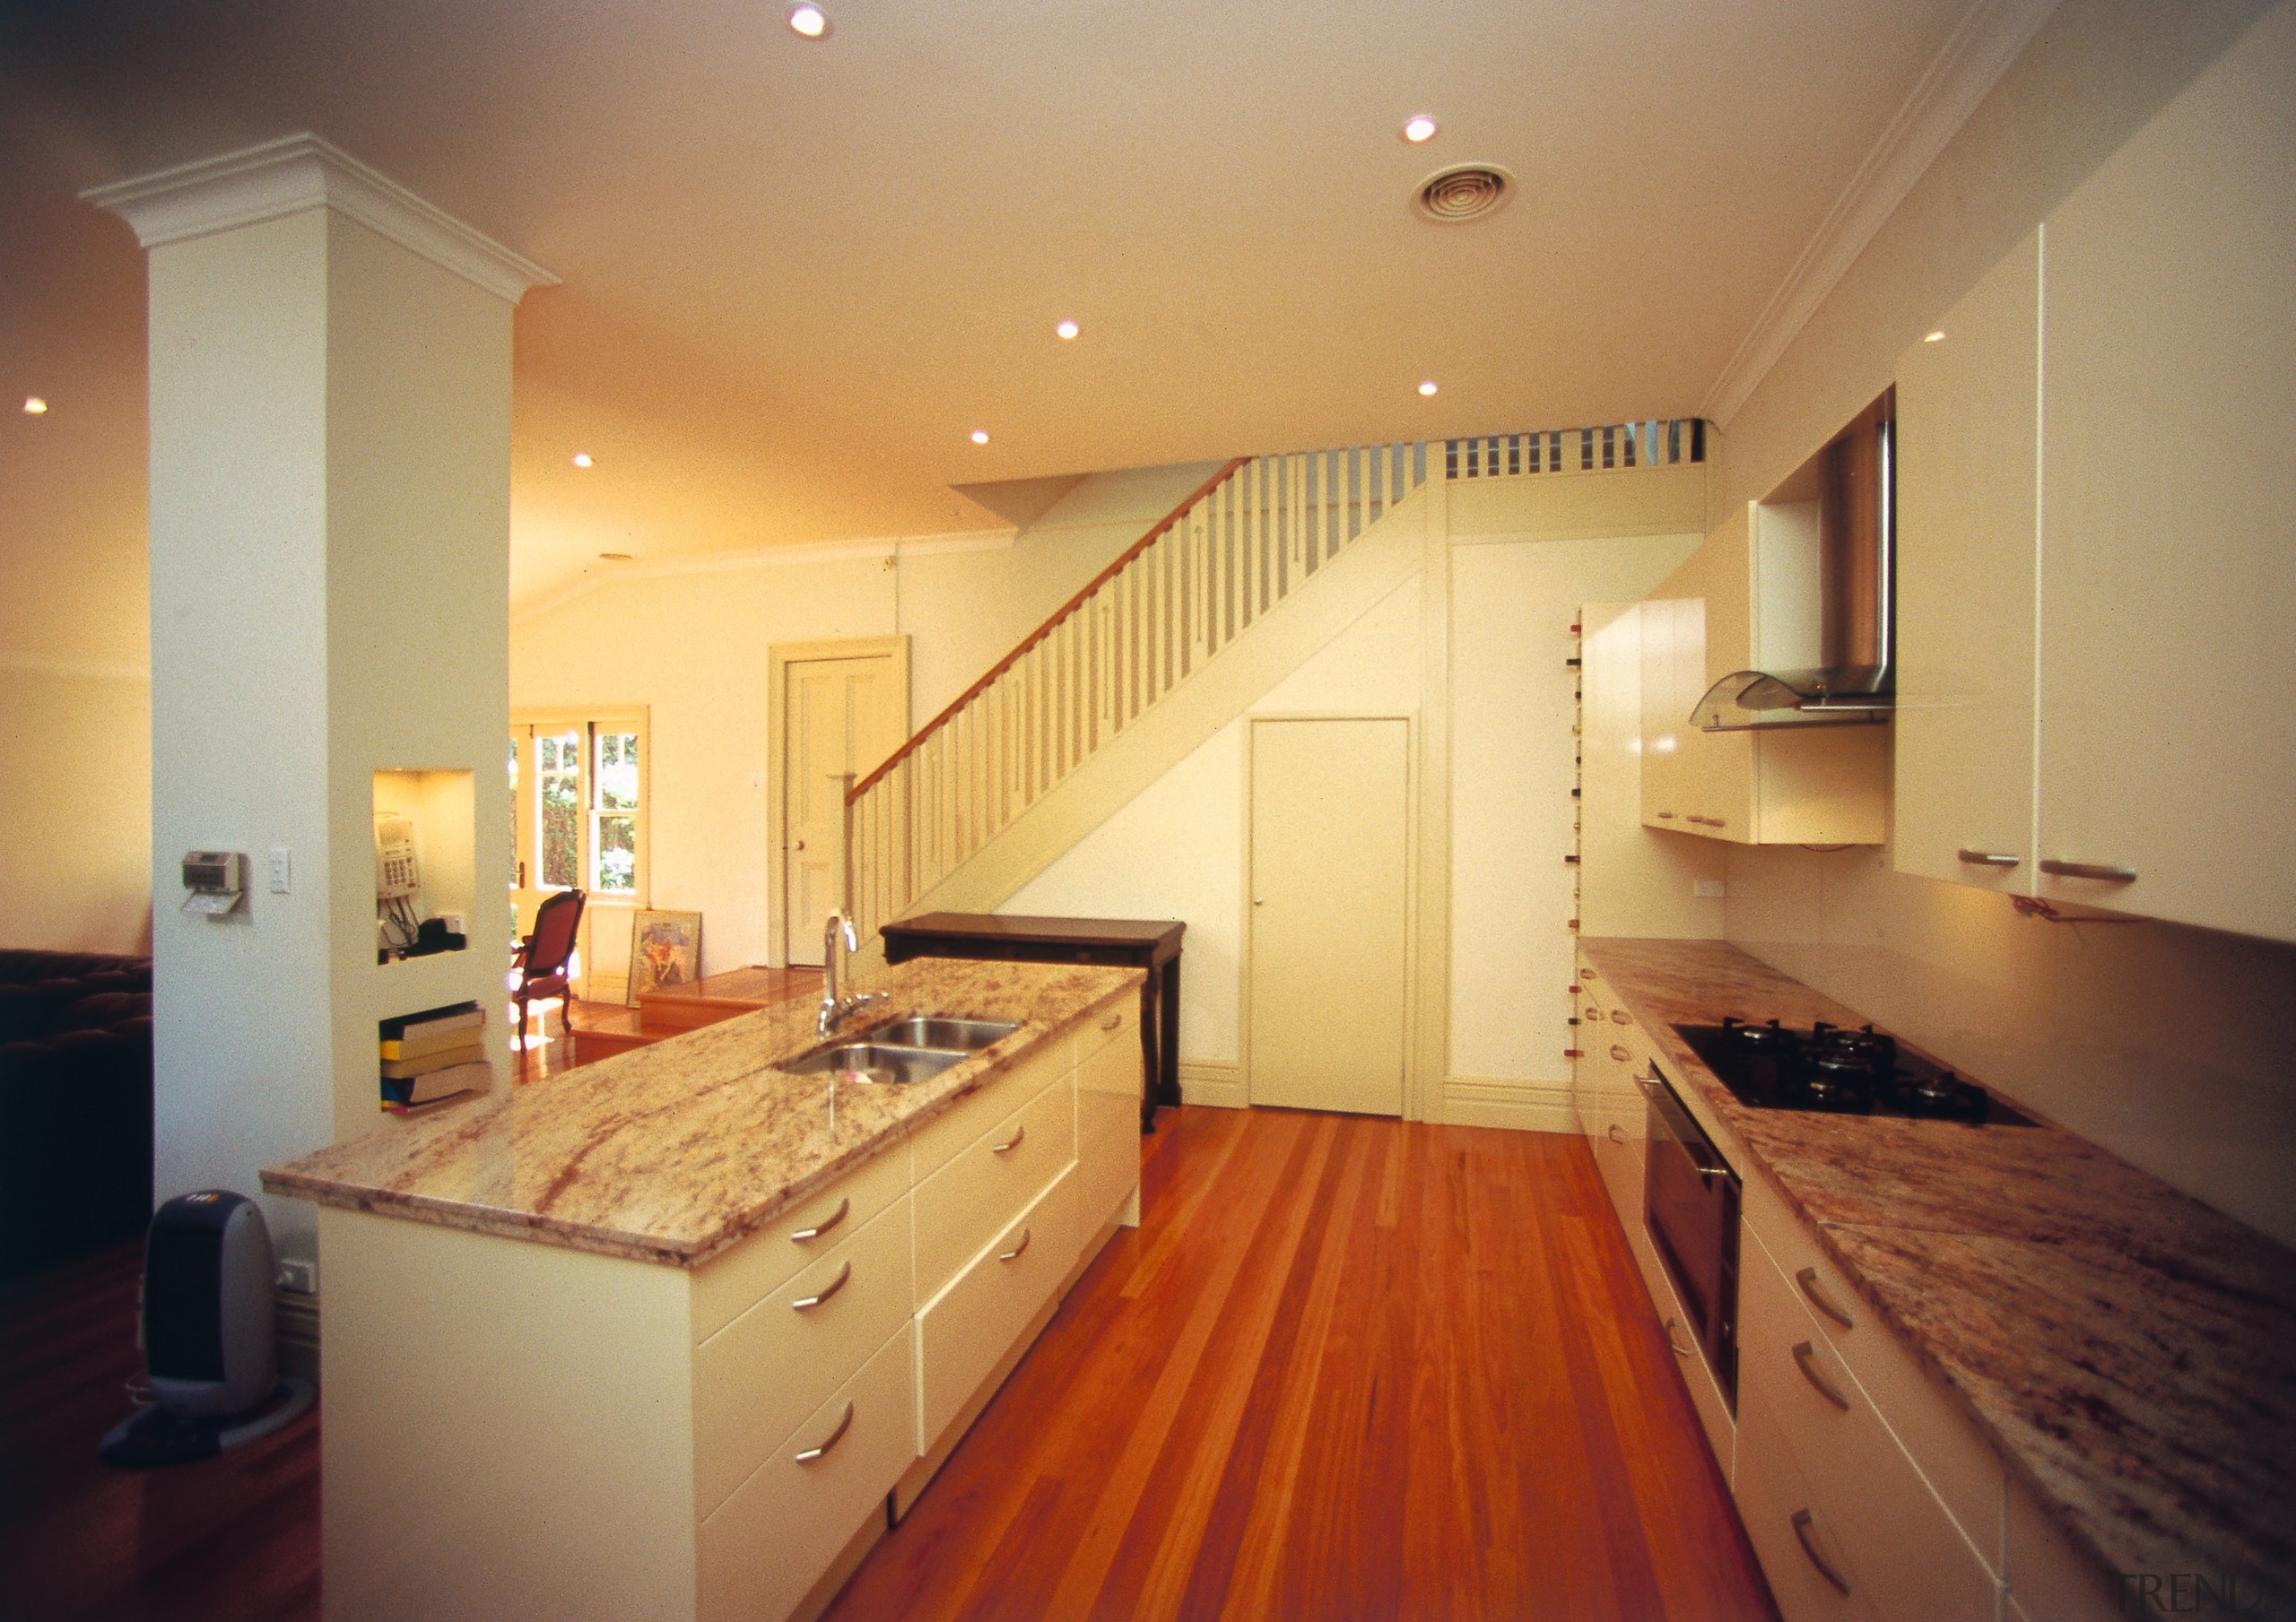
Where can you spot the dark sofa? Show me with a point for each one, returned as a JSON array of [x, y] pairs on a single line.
[[76, 1105]]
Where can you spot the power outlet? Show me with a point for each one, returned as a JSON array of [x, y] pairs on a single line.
[[302, 1278], [1709, 889], [280, 870]]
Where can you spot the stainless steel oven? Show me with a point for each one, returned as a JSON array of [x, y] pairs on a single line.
[[1690, 1202]]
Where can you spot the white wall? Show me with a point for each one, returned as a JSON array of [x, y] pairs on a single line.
[[2165, 1045], [1513, 710], [75, 653], [1177, 851], [690, 645], [75, 868]]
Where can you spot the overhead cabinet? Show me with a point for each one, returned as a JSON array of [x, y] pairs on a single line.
[[1747, 600], [2097, 535]]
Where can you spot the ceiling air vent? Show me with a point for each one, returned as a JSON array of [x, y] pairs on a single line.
[[1464, 192]]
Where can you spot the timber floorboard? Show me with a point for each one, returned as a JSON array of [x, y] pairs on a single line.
[[1347, 1367]]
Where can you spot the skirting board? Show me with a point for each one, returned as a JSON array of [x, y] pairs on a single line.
[[1529, 1106], [1219, 1082]]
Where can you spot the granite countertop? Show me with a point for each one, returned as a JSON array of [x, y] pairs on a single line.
[[674, 1152], [2129, 1351]]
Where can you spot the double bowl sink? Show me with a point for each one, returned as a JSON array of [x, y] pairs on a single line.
[[905, 1052]]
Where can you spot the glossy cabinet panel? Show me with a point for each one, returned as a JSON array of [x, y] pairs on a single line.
[[1968, 428], [2167, 673]]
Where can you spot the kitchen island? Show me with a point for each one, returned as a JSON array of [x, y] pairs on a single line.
[[664, 1335]]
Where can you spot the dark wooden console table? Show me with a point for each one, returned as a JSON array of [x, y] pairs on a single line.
[[1124, 942]]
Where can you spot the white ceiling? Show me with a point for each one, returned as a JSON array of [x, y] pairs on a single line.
[[797, 273]]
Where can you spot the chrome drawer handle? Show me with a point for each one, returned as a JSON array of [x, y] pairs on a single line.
[[1015, 1254], [1805, 1359], [1986, 858], [1011, 1143], [1619, 1016], [1616, 1136], [1675, 1346], [1805, 1531], [2110, 872], [844, 1208], [1808, 1279], [831, 1440], [1620, 1053], [805, 1303]]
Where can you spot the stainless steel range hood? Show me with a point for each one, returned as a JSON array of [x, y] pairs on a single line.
[[1854, 681]]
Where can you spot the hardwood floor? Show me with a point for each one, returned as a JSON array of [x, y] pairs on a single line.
[[1350, 1368], [234, 1539]]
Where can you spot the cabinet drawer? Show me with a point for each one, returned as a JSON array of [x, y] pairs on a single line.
[[729, 1285], [1619, 1153], [949, 1133], [1108, 1025], [1904, 1555], [962, 1333], [755, 1379], [1772, 1498], [962, 1206], [762, 1548], [1960, 1466]]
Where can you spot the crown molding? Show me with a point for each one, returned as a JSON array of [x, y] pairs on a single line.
[[776, 557], [299, 172], [1988, 39]]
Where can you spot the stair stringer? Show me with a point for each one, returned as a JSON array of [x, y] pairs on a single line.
[[1277, 643]]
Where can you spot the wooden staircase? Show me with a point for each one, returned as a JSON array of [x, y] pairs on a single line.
[[1184, 600], [1228, 593]]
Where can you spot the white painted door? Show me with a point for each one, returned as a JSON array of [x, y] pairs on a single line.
[[1329, 846], [845, 715]]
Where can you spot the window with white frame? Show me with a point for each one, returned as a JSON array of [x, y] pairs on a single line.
[[578, 803]]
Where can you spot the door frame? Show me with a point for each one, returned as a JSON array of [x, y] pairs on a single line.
[[1413, 1110], [778, 657]]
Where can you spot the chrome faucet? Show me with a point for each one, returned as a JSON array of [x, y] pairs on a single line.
[[834, 1008]]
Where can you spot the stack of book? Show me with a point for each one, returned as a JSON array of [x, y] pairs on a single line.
[[433, 1056]]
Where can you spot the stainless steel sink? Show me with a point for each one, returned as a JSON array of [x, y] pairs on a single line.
[[883, 1063], [928, 1030]]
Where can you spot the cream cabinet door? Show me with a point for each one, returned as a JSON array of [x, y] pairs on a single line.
[[1666, 769], [1967, 422], [2167, 671]]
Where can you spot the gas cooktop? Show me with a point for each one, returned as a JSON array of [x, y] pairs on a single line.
[[1839, 1070]]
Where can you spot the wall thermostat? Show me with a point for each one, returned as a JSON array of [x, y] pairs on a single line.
[[216, 880]]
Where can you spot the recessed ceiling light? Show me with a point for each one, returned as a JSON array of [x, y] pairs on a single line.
[[807, 19], [1418, 128], [1937, 337], [616, 556], [582, 459], [1428, 387], [1068, 329], [981, 436], [34, 406]]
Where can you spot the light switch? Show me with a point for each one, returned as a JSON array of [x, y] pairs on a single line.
[[279, 870], [1708, 889]]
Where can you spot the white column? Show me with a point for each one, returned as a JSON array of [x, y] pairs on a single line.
[[330, 406]]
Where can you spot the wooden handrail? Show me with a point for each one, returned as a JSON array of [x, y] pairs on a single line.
[[1163, 526]]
